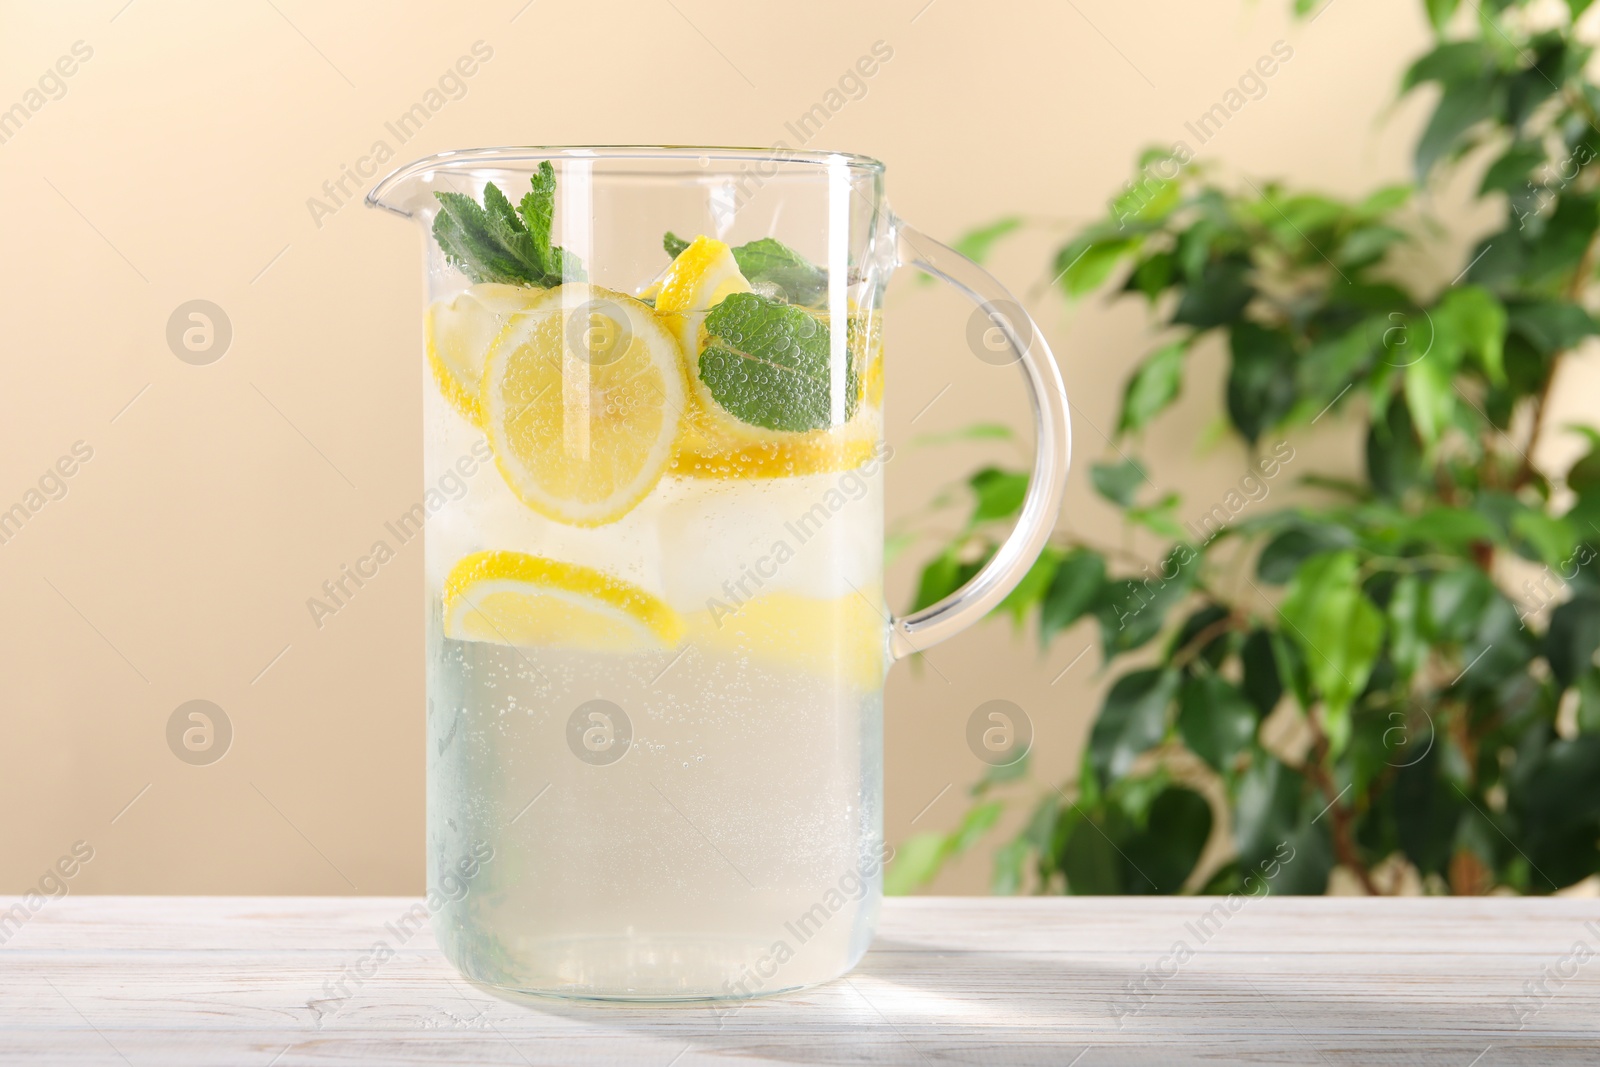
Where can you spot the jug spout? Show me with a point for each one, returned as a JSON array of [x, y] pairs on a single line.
[[408, 190]]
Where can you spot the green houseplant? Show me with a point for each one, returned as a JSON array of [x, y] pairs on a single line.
[[1397, 675]]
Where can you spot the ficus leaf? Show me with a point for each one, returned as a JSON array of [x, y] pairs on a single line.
[[1340, 631], [1215, 720], [1154, 386], [998, 494], [1453, 61], [916, 863], [1408, 647], [1573, 637], [1261, 378], [1479, 322], [1084, 267], [1217, 296], [1440, 13], [1259, 679], [943, 575], [1464, 104], [1027, 593], [1284, 554], [1394, 456], [978, 431], [1266, 806], [977, 822], [1160, 518], [1455, 599], [1550, 326], [1119, 482], [1091, 859], [1132, 720], [1177, 826], [1431, 399], [1510, 173], [977, 244], [1546, 538], [1132, 611], [1074, 588], [1152, 275], [1384, 201]]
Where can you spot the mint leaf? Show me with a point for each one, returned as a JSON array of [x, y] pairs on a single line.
[[538, 208], [768, 363], [452, 241], [494, 242], [565, 267], [770, 262], [508, 229], [464, 232]]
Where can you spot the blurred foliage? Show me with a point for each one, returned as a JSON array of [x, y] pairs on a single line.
[[1404, 670]]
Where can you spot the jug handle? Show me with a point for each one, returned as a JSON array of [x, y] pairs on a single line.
[[1052, 442]]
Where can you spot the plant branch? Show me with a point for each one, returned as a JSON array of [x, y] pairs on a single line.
[[1580, 278], [1197, 644], [1541, 405], [1344, 843]]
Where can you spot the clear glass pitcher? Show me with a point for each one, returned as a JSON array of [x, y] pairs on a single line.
[[656, 629]]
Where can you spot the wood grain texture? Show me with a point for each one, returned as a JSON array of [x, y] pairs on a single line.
[[242, 980]]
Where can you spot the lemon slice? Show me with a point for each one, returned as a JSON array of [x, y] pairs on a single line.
[[872, 381], [582, 398], [704, 452], [511, 598], [459, 332], [866, 344], [844, 637]]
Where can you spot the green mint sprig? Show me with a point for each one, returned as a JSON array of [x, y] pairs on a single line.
[[494, 242], [769, 261], [767, 363]]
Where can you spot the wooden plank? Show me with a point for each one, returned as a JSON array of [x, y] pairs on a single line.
[[1091, 981]]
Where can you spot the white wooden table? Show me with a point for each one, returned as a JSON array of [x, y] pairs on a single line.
[[175, 981]]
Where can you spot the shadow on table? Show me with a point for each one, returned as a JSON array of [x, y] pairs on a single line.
[[1065, 1009]]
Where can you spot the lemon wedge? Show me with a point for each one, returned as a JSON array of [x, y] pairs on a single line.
[[511, 598], [582, 397], [700, 277], [460, 332]]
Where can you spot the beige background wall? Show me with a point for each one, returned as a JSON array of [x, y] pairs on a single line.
[[177, 165]]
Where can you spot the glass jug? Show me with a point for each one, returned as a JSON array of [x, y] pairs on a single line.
[[656, 630]]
